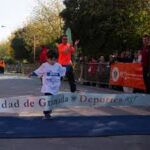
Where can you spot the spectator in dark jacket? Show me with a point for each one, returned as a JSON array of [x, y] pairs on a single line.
[[146, 62]]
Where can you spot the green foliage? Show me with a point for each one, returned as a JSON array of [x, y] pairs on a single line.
[[5, 49], [43, 28], [9, 60], [19, 46], [45, 25], [104, 26]]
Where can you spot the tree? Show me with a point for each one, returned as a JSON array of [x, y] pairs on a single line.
[[19, 46], [45, 25], [6, 51], [43, 28], [104, 26]]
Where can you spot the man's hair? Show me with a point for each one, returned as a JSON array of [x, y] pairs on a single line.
[[64, 36], [52, 54]]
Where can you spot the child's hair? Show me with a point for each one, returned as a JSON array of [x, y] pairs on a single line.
[[52, 54]]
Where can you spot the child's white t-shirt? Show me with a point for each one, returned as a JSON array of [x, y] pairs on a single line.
[[51, 77]]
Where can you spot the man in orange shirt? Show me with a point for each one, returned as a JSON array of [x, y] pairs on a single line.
[[66, 50]]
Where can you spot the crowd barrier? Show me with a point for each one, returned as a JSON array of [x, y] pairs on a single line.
[[98, 74], [118, 74], [67, 99], [20, 68], [93, 73]]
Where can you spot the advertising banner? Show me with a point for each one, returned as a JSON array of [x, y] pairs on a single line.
[[127, 75]]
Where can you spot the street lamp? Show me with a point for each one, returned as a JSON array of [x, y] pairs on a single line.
[[2, 26]]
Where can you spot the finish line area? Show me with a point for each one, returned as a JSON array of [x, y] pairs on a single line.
[[73, 125], [83, 114]]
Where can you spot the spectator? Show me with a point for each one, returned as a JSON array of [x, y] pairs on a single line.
[[43, 54], [121, 57], [139, 53], [137, 57], [146, 61], [2, 66], [101, 66], [92, 67], [92, 70], [128, 58]]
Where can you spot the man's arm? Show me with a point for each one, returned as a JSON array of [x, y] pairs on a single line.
[[75, 46]]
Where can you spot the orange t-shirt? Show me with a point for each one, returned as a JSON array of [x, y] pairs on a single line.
[[65, 57], [2, 63]]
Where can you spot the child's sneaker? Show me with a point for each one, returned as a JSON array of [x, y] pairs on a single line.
[[46, 117]]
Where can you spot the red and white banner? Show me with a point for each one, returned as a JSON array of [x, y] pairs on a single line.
[[127, 74]]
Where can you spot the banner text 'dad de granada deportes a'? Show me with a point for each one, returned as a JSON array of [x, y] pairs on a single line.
[[65, 100]]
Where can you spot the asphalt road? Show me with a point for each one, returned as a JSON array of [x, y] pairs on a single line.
[[12, 85]]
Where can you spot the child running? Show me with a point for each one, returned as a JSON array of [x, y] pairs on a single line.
[[51, 73]]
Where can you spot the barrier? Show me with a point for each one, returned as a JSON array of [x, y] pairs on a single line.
[[97, 73], [126, 75], [38, 104], [100, 74], [21, 68]]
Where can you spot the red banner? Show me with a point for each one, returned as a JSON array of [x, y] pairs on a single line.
[[127, 74]]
